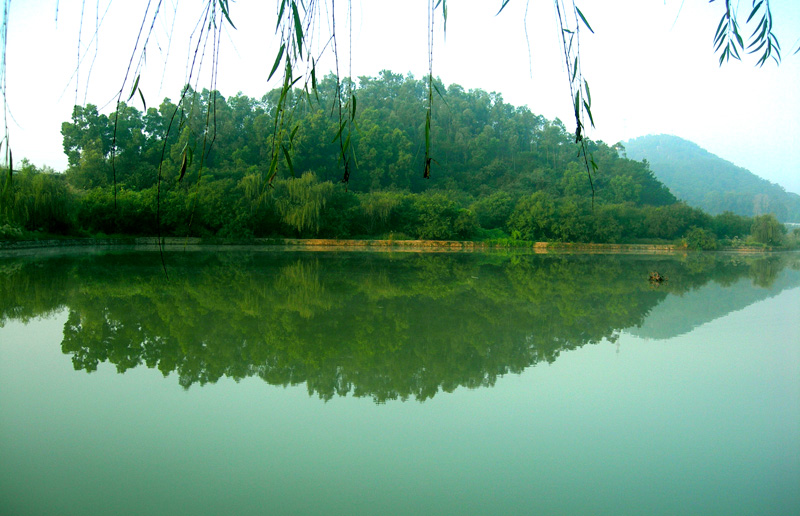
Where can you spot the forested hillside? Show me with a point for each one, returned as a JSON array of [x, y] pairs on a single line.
[[709, 182], [200, 166]]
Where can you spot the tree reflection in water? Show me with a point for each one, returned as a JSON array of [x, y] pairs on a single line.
[[383, 325]]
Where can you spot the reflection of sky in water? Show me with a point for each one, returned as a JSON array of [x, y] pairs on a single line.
[[676, 315], [703, 423]]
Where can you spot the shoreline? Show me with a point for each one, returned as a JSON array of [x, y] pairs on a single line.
[[319, 244]]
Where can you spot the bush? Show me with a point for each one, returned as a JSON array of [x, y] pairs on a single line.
[[699, 238], [9, 232]]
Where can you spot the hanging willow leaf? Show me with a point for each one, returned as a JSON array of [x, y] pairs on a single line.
[[435, 87], [184, 165], [577, 103], [280, 14], [427, 132], [738, 37], [135, 86], [141, 96], [223, 4], [288, 160], [298, 28], [314, 77], [584, 20], [505, 3], [339, 132], [346, 147], [762, 28], [273, 168], [277, 61], [719, 32], [588, 93], [754, 11], [588, 112]]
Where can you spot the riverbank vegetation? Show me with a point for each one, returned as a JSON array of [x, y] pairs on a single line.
[[201, 167]]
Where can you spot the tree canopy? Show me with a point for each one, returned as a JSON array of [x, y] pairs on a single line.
[[507, 174]]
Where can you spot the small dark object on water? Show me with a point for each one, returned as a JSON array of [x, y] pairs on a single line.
[[656, 277]]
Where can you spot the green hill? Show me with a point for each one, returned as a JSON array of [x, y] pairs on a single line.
[[709, 182]]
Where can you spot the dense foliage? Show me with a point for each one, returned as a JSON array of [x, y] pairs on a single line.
[[199, 168]]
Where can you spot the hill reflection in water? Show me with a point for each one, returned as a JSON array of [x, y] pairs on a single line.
[[382, 325]]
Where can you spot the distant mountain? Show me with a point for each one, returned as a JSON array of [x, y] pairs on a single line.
[[709, 182]]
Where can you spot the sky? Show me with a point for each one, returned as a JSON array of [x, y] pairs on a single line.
[[650, 64]]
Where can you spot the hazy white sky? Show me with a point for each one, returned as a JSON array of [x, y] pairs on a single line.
[[650, 66]]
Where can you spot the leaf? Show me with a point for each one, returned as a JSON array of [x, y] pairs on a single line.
[[314, 77], [288, 160], [719, 31], [273, 168], [588, 93], [353, 107], [346, 145], [135, 86], [141, 96], [280, 14], [588, 112], [435, 87], [505, 3], [753, 12], [577, 103], [224, 6], [184, 165], [759, 47], [762, 23], [427, 132], [277, 61], [294, 132], [575, 68], [339, 132], [584, 20], [298, 28], [738, 37]]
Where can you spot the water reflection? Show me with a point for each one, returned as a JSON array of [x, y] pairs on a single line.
[[382, 325]]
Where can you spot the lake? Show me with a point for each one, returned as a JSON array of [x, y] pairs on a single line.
[[317, 382]]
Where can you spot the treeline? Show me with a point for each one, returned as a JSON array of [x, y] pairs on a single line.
[[200, 167]]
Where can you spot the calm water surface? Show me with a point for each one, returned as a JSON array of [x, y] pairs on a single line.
[[399, 383]]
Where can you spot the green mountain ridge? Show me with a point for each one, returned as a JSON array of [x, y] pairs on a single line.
[[709, 182]]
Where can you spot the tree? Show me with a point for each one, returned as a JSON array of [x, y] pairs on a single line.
[[767, 230]]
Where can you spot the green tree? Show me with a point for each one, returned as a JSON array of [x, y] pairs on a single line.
[[767, 230], [534, 217]]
